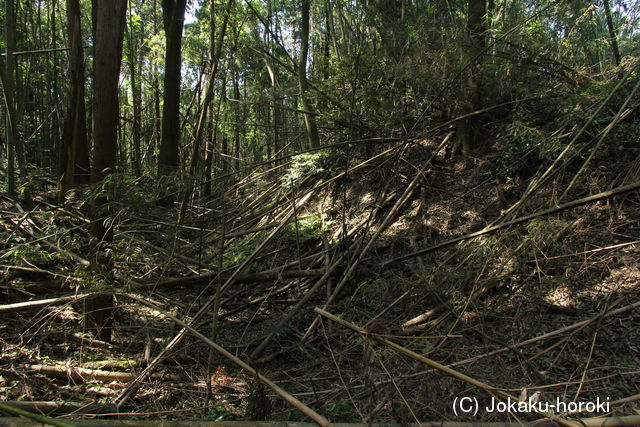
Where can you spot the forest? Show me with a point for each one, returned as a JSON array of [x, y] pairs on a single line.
[[299, 212]]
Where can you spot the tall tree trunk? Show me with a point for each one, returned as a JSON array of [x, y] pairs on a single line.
[[468, 129], [8, 84], [156, 114], [224, 158], [108, 30], [613, 40], [173, 15], [74, 153], [211, 144], [309, 120], [236, 129], [55, 92], [137, 101]]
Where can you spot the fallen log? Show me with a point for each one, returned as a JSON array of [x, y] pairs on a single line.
[[84, 374]]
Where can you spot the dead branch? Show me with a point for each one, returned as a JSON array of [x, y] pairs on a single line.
[[282, 393], [205, 279], [84, 374], [39, 304], [132, 388], [440, 367]]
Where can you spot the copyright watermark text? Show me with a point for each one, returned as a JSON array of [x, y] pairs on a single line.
[[467, 405]]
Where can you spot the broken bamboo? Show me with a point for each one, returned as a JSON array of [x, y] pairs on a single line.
[[132, 388], [279, 391], [403, 350]]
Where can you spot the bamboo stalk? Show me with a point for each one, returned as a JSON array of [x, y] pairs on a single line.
[[452, 372], [85, 374], [287, 317], [203, 279], [245, 366], [132, 388], [39, 304], [39, 418], [58, 408]]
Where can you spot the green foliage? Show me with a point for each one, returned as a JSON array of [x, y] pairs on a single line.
[[29, 255], [303, 166], [308, 229], [239, 252], [519, 158]]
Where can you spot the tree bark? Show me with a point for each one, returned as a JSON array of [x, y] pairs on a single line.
[[74, 153], [236, 129], [54, 118], [613, 40], [137, 101], [8, 85], [108, 30], [309, 120], [468, 129], [173, 15]]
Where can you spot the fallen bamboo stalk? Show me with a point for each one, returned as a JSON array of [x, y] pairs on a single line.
[[405, 351], [39, 304], [255, 301], [287, 317], [113, 364], [550, 334], [185, 281], [575, 203], [44, 287], [406, 194], [260, 228], [542, 337], [630, 420], [44, 240], [132, 388], [85, 374], [245, 278], [239, 362], [33, 270], [424, 317]]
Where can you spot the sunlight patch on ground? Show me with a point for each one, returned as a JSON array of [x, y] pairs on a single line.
[[560, 297], [621, 280]]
